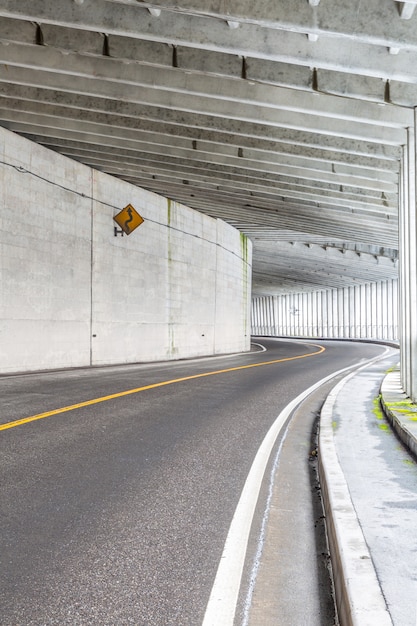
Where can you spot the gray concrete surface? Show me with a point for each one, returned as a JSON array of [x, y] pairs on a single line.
[[369, 483], [292, 577]]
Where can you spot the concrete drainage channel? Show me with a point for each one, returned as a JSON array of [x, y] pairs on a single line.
[[359, 598]]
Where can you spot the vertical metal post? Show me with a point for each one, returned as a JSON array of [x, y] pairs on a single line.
[[408, 269], [403, 254]]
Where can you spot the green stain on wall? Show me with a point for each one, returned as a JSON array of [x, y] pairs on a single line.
[[172, 347], [244, 247], [244, 250], [169, 217], [171, 322]]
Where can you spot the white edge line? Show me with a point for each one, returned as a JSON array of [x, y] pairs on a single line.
[[263, 349], [221, 606], [262, 534]]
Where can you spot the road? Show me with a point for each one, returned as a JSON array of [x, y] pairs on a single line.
[[116, 511]]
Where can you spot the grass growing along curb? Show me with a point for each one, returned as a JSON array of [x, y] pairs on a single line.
[[377, 410], [379, 414]]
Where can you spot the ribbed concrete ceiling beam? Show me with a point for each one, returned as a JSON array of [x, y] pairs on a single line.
[[305, 267], [365, 121], [206, 152], [124, 149], [363, 21], [57, 136], [262, 192], [216, 129], [362, 46], [314, 263], [293, 279], [240, 170], [294, 176], [336, 175], [371, 253], [255, 200], [315, 76], [322, 222], [173, 82], [355, 19], [406, 9], [104, 157], [288, 187], [102, 125]]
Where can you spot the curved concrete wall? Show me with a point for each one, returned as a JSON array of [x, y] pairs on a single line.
[[74, 294]]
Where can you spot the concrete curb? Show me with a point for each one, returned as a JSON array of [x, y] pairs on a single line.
[[359, 597], [399, 410]]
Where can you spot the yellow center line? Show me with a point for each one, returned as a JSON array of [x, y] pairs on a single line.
[[128, 392]]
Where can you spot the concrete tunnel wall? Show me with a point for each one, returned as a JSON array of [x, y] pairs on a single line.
[[74, 294]]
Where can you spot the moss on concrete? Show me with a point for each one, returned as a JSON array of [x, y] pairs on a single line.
[[384, 426], [377, 410]]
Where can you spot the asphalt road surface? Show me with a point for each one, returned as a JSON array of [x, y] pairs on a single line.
[[116, 511]]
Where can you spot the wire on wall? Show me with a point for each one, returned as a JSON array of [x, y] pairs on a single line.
[[24, 170]]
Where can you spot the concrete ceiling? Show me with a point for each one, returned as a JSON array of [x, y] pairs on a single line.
[[284, 118]]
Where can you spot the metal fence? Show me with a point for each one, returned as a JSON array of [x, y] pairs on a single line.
[[368, 311]]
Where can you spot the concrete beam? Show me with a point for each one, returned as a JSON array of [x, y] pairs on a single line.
[[366, 23], [82, 141], [206, 128], [352, 86], [357, 40], [174, 81], [337, 174], [194, 94], [406, 10], [207, 194], [22, 123], [104, 158]]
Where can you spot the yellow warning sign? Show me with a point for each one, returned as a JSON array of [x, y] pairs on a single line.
[[128, 219]]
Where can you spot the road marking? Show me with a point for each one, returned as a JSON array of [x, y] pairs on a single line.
[[262, 348], [221, 607], [121, 394], [262, 535]]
